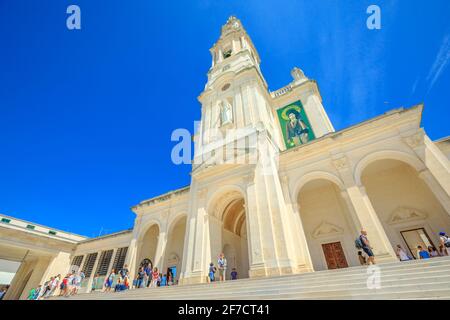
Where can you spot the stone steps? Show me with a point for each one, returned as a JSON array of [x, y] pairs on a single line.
[[424, 279]]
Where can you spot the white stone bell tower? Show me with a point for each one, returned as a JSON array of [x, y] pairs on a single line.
[[236, 94], [239, 125]]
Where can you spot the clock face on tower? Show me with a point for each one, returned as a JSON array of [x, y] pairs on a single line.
[[236, 25]]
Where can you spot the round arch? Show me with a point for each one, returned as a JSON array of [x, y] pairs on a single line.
[[316, 175], [406, 206], [407, 158], [221, 197], [146, 227], [327, 220], [227, 211], [175, 219]]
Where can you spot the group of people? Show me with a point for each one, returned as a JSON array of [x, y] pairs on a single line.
[[146, 277], [222, 268], [422, 253], [69, 285], [151, 277], [430, 251]]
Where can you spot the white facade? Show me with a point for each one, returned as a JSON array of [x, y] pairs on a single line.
[[295, 208]]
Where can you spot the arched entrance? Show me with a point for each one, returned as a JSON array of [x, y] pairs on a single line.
[[147, 245], [409, 211], [228, 233], [328, 224], [174, 250]]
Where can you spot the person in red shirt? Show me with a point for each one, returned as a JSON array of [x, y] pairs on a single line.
[[155, 278]]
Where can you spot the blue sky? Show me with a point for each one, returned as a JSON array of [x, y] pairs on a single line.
[[86, 116]]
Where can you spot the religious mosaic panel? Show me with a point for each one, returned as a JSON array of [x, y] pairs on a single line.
[[295, 125]]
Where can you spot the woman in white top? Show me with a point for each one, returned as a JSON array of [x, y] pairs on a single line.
[[401, 254]]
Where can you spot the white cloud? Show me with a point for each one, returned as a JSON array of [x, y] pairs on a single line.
[[440, 63]]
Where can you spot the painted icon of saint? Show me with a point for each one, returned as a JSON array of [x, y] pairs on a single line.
[[297, 131]]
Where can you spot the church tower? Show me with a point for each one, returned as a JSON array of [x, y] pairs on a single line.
[[236, 97], [236, 201]]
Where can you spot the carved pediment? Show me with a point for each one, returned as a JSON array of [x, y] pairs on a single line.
[[326, 229], [404, 214]]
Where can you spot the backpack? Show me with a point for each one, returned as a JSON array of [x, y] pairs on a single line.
[[447, 241], [358, 243]]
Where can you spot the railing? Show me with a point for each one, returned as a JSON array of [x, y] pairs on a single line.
[[281, 91]]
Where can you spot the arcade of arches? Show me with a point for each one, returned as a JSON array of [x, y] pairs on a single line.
[[409, 212]]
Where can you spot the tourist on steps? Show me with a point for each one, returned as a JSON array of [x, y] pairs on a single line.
[[222, 264], [234, 274], [445, 243], [366, 247], [155, 278], [110, 280], [361, 258], [212, 272]]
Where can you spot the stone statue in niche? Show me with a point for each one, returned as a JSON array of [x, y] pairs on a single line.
[[226, 113]]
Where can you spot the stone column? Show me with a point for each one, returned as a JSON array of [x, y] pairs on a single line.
[[197, 248], [268, 216], [303, 257], [436, 189], [256, 259], [111, 263], [363, 212], [160, 250], [17, 284], [130, 259], [216, 245], [436, 162], [369, 220]]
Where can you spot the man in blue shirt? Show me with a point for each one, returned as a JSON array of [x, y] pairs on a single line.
[[423, 254]]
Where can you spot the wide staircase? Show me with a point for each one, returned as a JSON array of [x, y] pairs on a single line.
[[419, 279]]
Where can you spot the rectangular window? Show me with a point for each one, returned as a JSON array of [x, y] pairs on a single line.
[[6, 220], [119, 259], [52, 232], [89, 264], [76, 261], [30, 227], [103, 264]]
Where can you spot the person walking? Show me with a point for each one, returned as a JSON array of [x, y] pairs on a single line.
[[140, 278], [155, 278], [110, 280], [212, 273], [95, 282], [365, 243], [147, 275], [163, 281], [222, 264]]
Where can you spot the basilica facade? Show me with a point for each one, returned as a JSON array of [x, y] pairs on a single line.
[[273, 186]]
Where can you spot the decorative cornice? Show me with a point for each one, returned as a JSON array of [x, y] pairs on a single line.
[[415, 140]]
